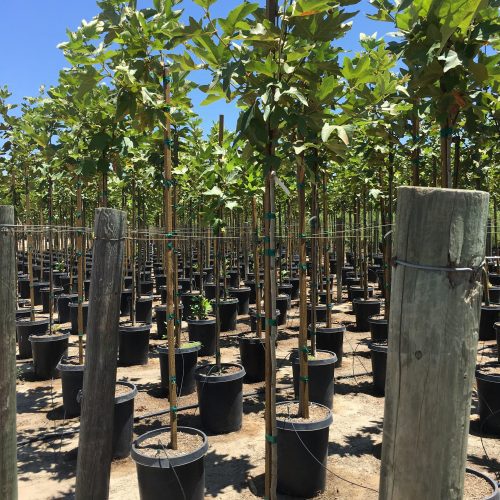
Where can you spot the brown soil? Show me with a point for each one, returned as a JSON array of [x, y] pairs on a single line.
[[476, 488], [159, 445], [320, 355], [290, 412], [52, 335], [225, 370], [121, 390], [490, 369], [72, 360]]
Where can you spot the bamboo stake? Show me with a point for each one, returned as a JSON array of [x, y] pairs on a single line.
[[256, 269], [169, 258]]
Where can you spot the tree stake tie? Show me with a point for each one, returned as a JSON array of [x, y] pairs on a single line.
[[442, 269], [271, 439]]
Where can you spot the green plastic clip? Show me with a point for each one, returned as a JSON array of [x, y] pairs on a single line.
[[271, 439]]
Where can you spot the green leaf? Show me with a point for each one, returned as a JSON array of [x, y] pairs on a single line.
[[205, 4], [215, 191]]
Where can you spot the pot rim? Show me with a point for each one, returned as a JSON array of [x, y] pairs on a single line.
[[166, 463], [287, 425], [214, 379]]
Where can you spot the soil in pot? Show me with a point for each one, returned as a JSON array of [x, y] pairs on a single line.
[[220, 397], [72, 382], [253, 358], [123, 419], [204, 332], [133, 344], [379, 365], [363, 309], [73, 311], [47, 351], [488, 391], [228, 314], [478, 486], [321, 373], [171, 474], [186, 358], [25, 329], [302, 449]]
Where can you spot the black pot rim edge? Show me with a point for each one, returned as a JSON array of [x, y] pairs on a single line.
[[126, 397], [214, 379], [488, 479], [287, 425], [162, 463], [180, 350], [49, 338]]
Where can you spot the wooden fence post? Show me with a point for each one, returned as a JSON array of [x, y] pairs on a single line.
[[433, 341], [8, 284], [96, 428]]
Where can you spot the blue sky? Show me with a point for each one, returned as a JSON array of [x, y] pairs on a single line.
[[31, 30]]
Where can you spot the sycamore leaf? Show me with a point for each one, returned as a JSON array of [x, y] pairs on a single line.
[[451, 60], [215, 191]]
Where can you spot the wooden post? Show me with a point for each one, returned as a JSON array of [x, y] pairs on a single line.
[[80, 259], [8, 285], [96, 428], [256, 268], [433, 340]]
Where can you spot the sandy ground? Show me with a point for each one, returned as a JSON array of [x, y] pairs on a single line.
[[235, 462]]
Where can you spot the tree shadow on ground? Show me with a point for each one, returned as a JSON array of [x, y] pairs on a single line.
[[361, 443], [224, 471], [36, 399]]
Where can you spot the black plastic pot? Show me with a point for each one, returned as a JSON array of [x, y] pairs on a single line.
[[220, 399], [197, 279], [243, 296], [23, 313], [234, 278], [488, 392], [144, 309], [228, 314], [24, 288], [203, 331], [321, 373], [283, 304], [357, 292], [73, 312], [320, 313], [184, 283], [379, 365], [489, 316], [363, 310], [295, 288], [253, 358], [285, 289], [63, 310], [494, 293], [123, 422], [161, 280], [146, 287], [37, 287], [331, 339], [379, 328], [209, 290], [127, 282], [86, 287], [72, 383], [302, 456], [26, 329], [185, 367], [497, 331], [253, 319], [177, 478], [494, 279], [47, 351], [133, 344], [125, 302], [45, 293]]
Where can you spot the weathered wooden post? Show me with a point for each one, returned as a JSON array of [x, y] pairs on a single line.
[[96, 428], [438, 252], [8, 271]]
